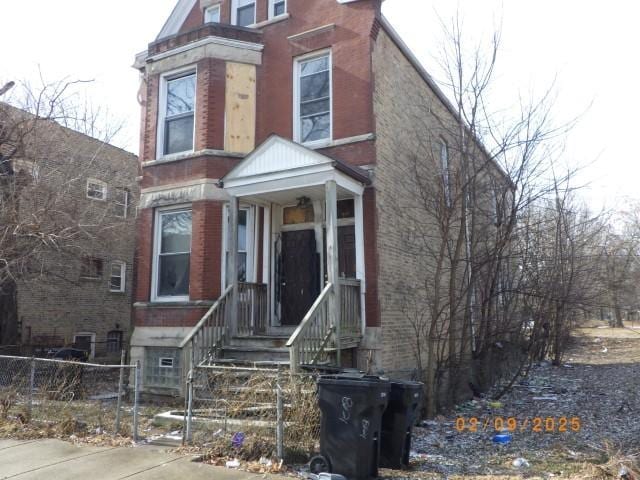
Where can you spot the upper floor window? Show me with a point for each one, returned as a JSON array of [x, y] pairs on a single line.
[[243, 12], [96, 189], [444, 164], [172, 254], [313, 98], [91, 267], [121, 202], [178, 113], [117, 278], [212, 14], [277, 7]]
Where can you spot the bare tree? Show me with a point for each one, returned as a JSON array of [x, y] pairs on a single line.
[[470, 182]]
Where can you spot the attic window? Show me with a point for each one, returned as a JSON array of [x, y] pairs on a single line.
[[277, 8], [212, 14], [243, 12]]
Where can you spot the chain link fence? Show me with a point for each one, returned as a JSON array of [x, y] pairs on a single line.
[[69, 397], [252, 413]]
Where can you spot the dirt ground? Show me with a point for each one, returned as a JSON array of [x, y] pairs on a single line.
[[565, 421]]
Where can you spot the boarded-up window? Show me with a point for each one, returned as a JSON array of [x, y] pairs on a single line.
[[240, 125]]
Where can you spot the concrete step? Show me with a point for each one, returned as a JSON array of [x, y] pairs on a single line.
[[261, 341], [256, 354], [244, 363]]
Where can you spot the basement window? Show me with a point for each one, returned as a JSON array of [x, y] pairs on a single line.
[[162, 367]]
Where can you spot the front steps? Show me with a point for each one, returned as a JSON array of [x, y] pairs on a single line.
[[267, 352]]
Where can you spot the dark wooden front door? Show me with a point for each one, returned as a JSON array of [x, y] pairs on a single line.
[[300, 280]]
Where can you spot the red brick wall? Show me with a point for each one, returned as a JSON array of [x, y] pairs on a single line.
[[201, 167], [144, 254], [206, 251], [168, 317]]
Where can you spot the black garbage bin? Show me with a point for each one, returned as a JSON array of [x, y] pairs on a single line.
[[405, 400], [352, 408]]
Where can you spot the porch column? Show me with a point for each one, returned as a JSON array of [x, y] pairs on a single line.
[[232, 264], [331, 200]]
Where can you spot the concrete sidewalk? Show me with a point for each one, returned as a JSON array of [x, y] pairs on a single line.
[[57, 460]]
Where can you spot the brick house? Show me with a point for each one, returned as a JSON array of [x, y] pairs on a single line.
[[80, 294], [273, 134]]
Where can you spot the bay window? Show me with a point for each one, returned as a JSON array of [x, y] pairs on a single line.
[[178, 113], [172, 255]]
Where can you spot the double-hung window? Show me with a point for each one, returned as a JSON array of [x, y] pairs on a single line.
[[96, 189], [172, 254], [243, 12], [121, 202], [277, 7], [313, 99], [179, 113], [117, 280], [212, 14]]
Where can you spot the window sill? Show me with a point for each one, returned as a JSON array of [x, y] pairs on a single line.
[[117, 292], [91, 279], [174, 304], [271, 21], [176, 157]]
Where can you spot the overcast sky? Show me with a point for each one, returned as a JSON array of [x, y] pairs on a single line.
[[588, 47]]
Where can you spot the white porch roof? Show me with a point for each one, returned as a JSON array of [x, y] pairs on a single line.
[[280, 170]]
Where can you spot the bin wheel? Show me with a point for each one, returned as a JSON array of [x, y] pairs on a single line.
[[319, 464]]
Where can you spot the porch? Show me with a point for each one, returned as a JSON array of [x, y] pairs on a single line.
[[294, 275]]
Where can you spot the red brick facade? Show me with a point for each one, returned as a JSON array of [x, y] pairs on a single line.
[[346, 31]]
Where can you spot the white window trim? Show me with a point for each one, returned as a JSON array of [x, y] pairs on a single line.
[[251, 233], [272, 4], [211, 9], [165, 78], [125, 204], [104, 186], [296, 98], [156, 253], [92, 352], [234, 12], [166, 366], [123, 276]]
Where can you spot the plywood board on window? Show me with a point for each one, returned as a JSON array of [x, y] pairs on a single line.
[[240, 129]]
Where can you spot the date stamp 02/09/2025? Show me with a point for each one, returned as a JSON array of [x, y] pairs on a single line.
[[513, 424]]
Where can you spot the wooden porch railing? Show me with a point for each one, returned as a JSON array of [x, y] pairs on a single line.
[[208, 335], [252, 309], [350, 311], [307, 345], [315, 337]]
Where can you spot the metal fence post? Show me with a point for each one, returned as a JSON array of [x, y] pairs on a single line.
[[190, 393], [32, 382], [120, 391], [279, 420], [136, 398]]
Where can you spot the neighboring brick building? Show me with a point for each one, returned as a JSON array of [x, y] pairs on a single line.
[[291, 118], [81, 295]]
